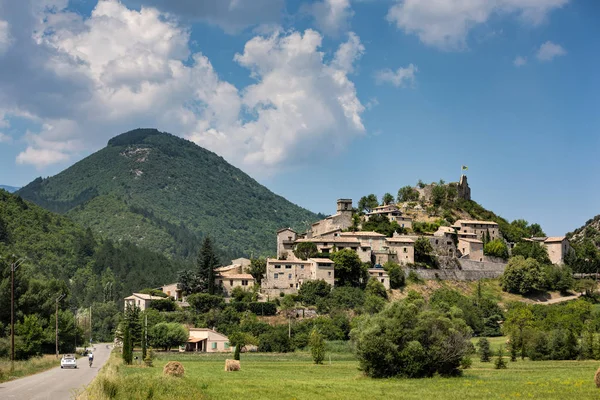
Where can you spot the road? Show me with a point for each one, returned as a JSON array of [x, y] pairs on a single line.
[[56, 383]]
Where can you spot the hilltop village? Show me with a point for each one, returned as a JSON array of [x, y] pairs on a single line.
[[458, 249]]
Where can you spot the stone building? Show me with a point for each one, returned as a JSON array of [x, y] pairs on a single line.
[[463, 189], [557, 246], [467, 229], [381, 275], [342, 219], [286, 276], [234, 275], [392, 213], [471, 249]]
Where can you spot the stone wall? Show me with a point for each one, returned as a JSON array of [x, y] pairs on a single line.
[[469, 270]]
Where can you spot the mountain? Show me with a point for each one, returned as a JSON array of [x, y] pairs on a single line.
[[162, 192], [9, 189], [588, 232]]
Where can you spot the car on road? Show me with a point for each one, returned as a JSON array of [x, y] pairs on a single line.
[[68, 361]]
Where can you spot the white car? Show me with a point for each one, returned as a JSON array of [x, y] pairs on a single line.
[[68, 361]]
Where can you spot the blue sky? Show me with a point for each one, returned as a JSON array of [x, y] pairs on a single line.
[[320, 100]]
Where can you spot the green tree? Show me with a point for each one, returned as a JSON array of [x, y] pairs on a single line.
[[207, 262], [203, 302], [367, 203], [531, 250], [31, 334], [258, 268], [127, 345], [518, 319], [167, 335], [496, 248], [349, 270], [317, 346], [387, 199], [500, 363], [484, 350], [523, 276], [424, 252], [376, 288], [407, 193], [438, 195], [306, 250], [311, 291], [396, 274]]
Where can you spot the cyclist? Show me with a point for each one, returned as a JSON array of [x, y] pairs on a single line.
[[90, 358]]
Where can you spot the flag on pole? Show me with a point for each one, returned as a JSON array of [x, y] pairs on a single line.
[[464, 168]]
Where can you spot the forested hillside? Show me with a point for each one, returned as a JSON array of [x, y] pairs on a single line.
[[61, 257], [164, 193]]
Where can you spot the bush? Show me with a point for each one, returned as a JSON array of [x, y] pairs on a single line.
[[523, 276], [500, 363], [408, 340], [413, 277], [559, 278], [397, 277], [496, 248], [168, 335], [203, 302], [375, 288], [311, 291], [484, 350], [276, 340]]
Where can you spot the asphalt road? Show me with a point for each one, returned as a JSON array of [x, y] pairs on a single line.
[[57, 383]]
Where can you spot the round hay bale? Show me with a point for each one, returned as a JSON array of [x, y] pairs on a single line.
[[597, 378], [173, 368]]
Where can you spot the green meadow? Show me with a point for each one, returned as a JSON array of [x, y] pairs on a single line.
[[294, 376]]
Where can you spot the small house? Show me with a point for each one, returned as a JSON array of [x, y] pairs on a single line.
[[207, 341]]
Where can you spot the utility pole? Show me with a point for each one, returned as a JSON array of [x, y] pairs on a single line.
[[59, 298], [91, 326], [13, 267]]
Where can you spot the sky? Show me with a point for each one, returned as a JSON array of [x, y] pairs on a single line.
[[320, 100]]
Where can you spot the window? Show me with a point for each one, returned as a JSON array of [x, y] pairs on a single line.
[[226, 345], [381, 274], [291, 285], [231, 282], [275, 276], [214, 346], [329, 273], [302, 267], [288, 267], [244, 282], [436, 241], [383, 281], [289, 276], [278, 266], [405, 250], [448, 243]]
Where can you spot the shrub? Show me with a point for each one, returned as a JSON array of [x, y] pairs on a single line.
[[397, 277], [376, 288], [496, 248], [523, 276], [414, 277], [438, 343], [311, 291], [500, 363], [484, 350], [203, 302]]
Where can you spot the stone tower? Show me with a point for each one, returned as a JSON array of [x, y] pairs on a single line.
[[344, 205], [464, 191]]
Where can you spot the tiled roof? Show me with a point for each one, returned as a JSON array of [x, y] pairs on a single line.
[[470, 240], [399, 240], [555, 239], [329, 240], [365, 233], [468, 221], [145, 297], [237, 276], [321, 260]]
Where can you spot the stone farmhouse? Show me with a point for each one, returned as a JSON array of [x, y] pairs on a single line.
[[140, 300], [234, 275], [393, 213], [558, 247]]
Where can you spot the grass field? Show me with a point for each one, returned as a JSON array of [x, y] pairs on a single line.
[[293, 376], [25, 368]]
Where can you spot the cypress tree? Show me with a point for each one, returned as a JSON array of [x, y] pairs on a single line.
[[207, 262], [127, 345], [236, 353]]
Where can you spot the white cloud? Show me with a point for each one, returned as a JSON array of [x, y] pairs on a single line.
[[399, 78], [331, 16], [549, 50], [5, 37], [519, 61], [4, 138], [348, 53], [446, 23], [133, 68], [231, 15]]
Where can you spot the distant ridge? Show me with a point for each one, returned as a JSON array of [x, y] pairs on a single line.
[[9, 189], [165, 193]]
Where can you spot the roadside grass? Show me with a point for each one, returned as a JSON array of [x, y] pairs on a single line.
[[28, 367], [294, 376]]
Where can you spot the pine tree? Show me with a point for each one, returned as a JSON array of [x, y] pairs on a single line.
[[484, 350], [236, 353], [207, 262], [499, 363]]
